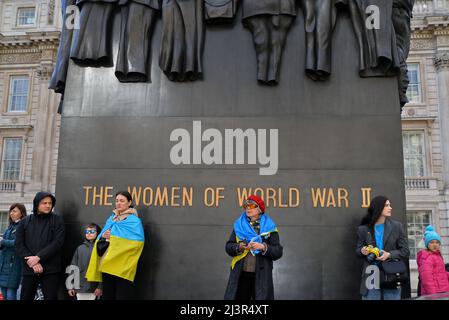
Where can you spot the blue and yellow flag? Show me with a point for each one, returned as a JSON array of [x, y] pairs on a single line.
[[245, 232], [125, 247]]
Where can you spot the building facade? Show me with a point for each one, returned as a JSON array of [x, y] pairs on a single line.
[[29, 33], [29, 124], [425, 124]]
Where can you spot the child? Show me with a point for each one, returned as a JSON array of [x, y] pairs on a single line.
[[432, 273], [87, 290]]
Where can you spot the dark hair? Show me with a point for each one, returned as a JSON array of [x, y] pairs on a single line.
[[19, 206], [95, 226], [374, 211], [127, 195]]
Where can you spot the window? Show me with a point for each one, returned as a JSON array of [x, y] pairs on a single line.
[[26, 16], [414, 154], [12, 158], [4, 221], [18, 94], [417, 221], [414, 87]]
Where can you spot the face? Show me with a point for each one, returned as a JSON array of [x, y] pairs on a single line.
[[122, 203], [91, 233], [434, 245], [45, 205], [252, 212], [387, 209], [15, 214]]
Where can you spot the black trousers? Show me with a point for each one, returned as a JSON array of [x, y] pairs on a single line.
[[135, 43], [115, 288], [247, 286], [319, 19], [48, 282], [269, 36]]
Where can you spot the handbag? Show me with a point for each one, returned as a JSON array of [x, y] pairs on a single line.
[[102, 246], [393, 274]]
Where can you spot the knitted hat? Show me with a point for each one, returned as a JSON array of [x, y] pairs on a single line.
[[430, 235], [259, 202]]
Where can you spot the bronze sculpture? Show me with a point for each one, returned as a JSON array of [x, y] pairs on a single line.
[[268, 21], [402, 14], [382, 51], [182, 39], [57, 81], [136, 30], [378, 50], [319, 22], [92, 43]]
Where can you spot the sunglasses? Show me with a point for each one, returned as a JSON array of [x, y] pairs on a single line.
[[90, 231], [250, 204]]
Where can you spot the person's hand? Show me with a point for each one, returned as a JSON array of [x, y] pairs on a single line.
[[365, 251], [243, 246], [72, 292], [107, 234], [38, 268], [98, 292], [384, 256], [256, 246], [32, 261]]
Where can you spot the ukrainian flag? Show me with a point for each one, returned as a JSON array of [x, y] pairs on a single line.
[[125, 247]]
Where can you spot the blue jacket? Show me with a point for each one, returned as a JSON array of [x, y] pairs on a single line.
[[10, 263]]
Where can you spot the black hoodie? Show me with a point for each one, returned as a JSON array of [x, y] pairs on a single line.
[[41, 235]]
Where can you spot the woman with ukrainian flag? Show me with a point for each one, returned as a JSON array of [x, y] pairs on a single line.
[[117, 251], [254, 245]]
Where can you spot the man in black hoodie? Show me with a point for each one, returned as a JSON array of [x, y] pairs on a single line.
[[39, 241]]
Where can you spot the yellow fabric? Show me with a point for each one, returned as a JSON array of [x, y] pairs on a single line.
[[245, 253], [119, 260], [240, 257]]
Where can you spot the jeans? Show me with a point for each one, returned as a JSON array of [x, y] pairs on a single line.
[[9, 294], [388, 294]]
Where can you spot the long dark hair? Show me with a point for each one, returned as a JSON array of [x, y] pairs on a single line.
[[374, 211], [127, 195], [19, 206]]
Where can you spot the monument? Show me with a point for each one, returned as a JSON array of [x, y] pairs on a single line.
[[191, 109]]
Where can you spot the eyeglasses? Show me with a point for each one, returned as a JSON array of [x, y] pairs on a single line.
[[90, 231], [250, 204]]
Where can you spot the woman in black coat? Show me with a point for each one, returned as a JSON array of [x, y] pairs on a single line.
[[10, 262], [254, 245], [379, 230]]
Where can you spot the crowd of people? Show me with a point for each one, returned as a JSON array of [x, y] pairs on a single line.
[[106, 262]]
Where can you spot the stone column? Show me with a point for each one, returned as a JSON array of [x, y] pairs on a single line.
[[442, 68], [45, 128]]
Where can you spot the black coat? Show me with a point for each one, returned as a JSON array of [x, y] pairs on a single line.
[[395, 242], [264, 268], [41, 235]]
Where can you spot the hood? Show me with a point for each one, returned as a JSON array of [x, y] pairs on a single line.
[[39, 196], [424, 254], [88, 243]]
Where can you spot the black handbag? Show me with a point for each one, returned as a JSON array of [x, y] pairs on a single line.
[[102, 246], [393, 274]]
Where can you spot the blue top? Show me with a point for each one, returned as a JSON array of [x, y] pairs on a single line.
[[379, 233]]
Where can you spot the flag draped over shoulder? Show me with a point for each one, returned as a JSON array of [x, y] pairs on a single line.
[[125, 247], [245, 232]]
